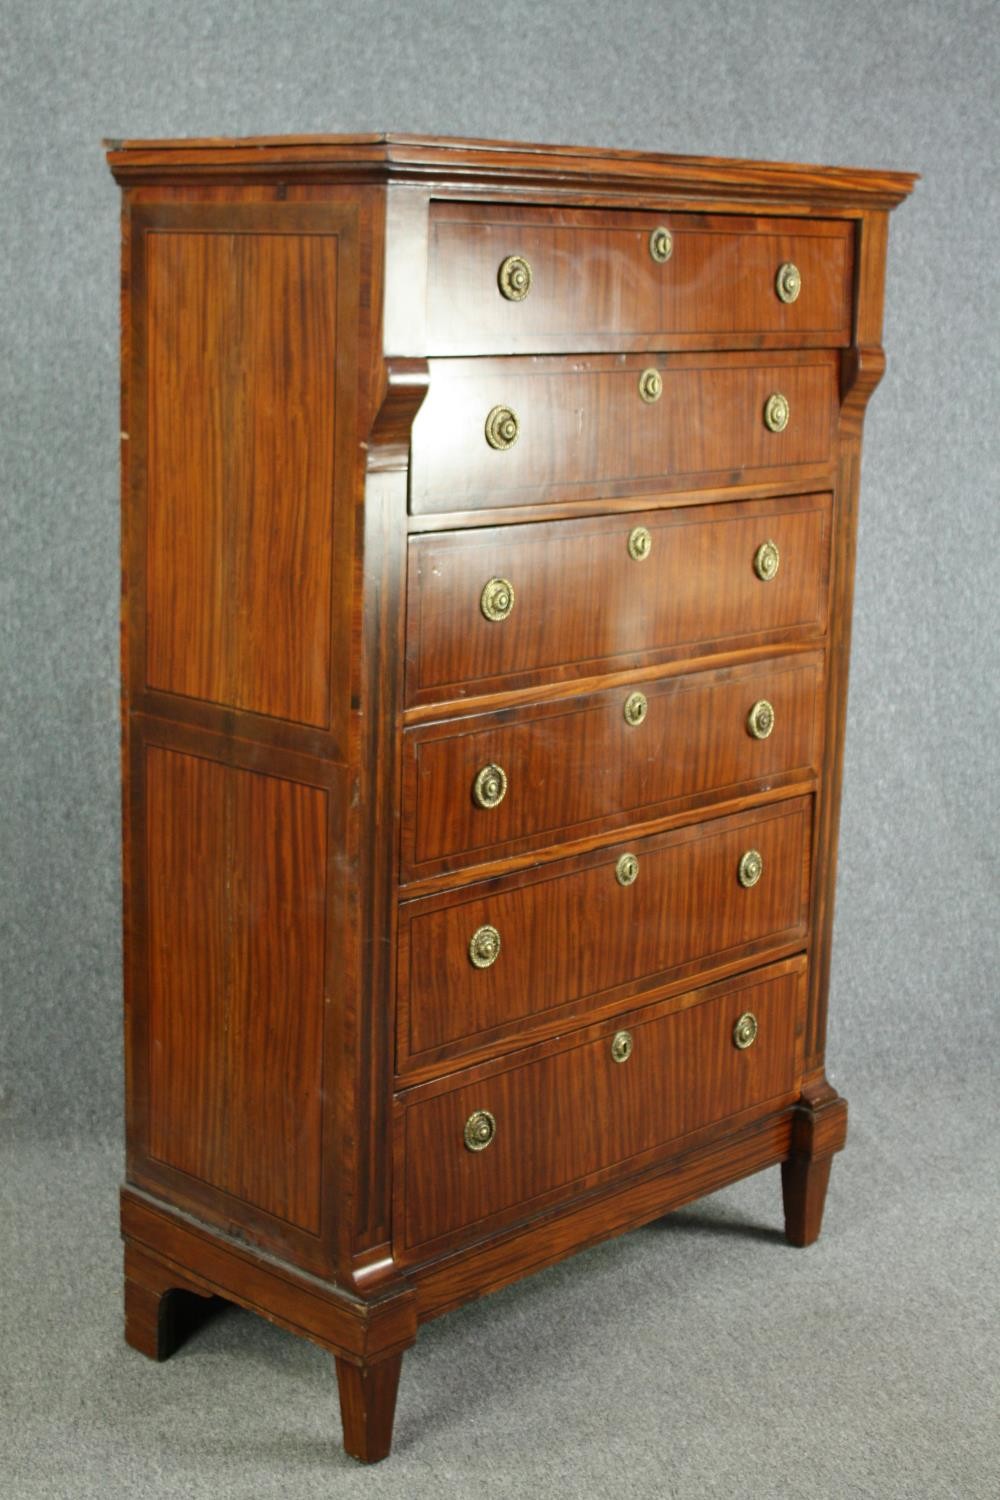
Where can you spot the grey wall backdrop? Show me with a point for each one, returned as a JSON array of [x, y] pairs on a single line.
[[698, 1357], [902, 83]]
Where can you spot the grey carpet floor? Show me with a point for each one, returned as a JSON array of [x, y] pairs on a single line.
[[698, 1357]]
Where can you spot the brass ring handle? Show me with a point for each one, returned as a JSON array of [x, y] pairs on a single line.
[[788, 282], [635, 708], [502, 428], [661, 245], [751, 868], [480, 1130], [484, 947], [745, 1031], [497, 599], [776, 412], [514, 278], [650, 385], [621, 1046], [490, 786], [627, 869], [760, 720], [766, 560], [640, 543]]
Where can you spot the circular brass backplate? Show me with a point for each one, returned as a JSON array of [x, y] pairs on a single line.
[[627, 869], [621, 1046], [480, 1130], [490, 786], [776, 412], [497, 599], [640, 543], [788, 282], [502, 428], [650, 385], [514, 278], [661, 245], [484, 947], [766, 560], [760, 720], [745, 1031], [751, 868], [635, 709]]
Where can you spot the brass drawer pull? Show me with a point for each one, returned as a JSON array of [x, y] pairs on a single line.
[[502, 428], [640, 543], [650, 386], [788, 282], [776, 412], [766, 560], [627, 869], [760, 720], [480, 1130], [484, 947], [636, 708], [745, 1031], [751, 868], [514, 278], [621, 1046], [497, 599], [661, 245], [490, 786]]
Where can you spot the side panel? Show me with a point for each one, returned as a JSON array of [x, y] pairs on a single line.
[[236, 886], [244, 314], [241, 346]]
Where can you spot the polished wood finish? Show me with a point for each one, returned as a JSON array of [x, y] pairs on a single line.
[[583, 605], [574, 762], [312, 337], [368, 1406], [236, 893], [239, 582], [564, 1118], [595, 285], [585, 432], [574, 941]]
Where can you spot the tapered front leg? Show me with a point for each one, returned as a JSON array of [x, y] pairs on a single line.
[[161, 1308], [368, 1406], [819, 1131], [803, 1188]]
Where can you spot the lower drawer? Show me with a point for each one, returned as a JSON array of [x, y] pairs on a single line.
[[609, 1100], [556, 945]]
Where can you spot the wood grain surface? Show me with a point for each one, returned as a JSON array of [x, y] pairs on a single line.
[[582, 605], [576, 1112], [585, 430], [572, 939], [572, 762], [593, 278]]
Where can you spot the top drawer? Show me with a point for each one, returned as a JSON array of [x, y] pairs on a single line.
[[594, 280]]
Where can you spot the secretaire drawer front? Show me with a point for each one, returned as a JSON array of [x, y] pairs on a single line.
[[492, 784], [508, 605], [521, 1135], [503, 432], [507, 279], [498, 959]]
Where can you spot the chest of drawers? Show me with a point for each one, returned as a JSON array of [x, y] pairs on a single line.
[[489, 520]]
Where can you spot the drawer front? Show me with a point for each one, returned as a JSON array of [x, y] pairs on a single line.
[[579, 600], [584, 431], [593, 275], [572, 938], [564, 1120], [569, 764]]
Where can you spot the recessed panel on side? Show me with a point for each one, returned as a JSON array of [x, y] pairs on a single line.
[[240, 333], [235, 877]]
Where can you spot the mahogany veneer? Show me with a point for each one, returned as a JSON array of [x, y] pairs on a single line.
[[388, 1048]]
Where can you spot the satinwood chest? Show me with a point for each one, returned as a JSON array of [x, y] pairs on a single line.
[[489, 528]]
